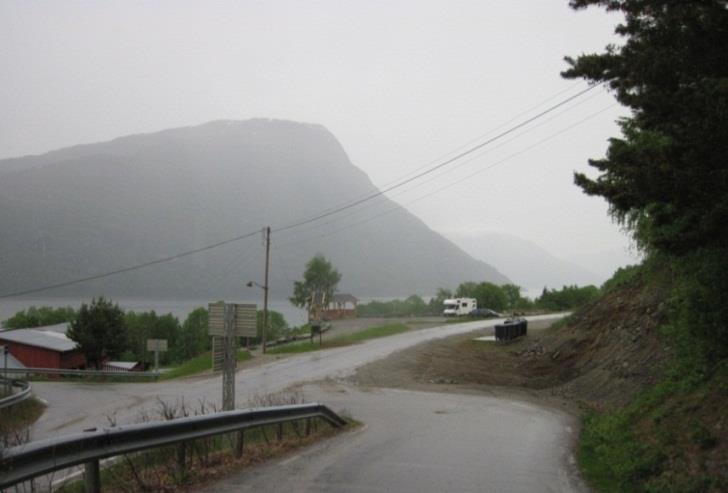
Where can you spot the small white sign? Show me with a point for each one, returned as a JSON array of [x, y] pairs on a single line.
[[157, 345]]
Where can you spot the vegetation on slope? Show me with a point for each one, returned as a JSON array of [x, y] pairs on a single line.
[[666, 180]]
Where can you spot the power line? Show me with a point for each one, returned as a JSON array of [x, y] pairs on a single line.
[[132, 268], [459, 164], [481, 136], [400, 208], [434, 168]]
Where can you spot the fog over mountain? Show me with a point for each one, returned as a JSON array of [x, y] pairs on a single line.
[[94, 208], [526, 263]]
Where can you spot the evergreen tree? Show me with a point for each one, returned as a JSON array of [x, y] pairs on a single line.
[[667, 176], [100, 331]]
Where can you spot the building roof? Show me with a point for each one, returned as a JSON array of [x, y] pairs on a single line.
[[124, 365], [344, 298], [46, 339], [61, 328]]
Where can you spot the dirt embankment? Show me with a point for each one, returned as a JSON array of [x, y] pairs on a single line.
[[601, 356]]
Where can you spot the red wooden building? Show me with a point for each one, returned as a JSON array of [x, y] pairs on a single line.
[[44, 347]]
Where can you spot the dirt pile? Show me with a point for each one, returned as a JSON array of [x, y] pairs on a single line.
[[605, 353], [601, 356]]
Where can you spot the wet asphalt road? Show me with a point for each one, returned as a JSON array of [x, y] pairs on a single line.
[[411, 441], [422, 442], [73, 407]]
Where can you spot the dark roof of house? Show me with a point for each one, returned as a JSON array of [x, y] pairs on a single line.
[[344, 298]]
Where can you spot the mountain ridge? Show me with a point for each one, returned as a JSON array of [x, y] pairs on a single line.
[[93, 208], [529, 265]]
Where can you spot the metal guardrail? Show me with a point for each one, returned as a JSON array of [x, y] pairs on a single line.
[[34, 459], [12, 399], [85, 373]]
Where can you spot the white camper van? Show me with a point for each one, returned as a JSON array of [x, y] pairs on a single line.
[[459, 306]]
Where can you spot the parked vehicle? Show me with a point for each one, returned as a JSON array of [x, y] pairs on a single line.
[[484, 313], [457, 307]]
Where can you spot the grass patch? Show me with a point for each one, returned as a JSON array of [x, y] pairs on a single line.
[[20, 416], [374, 332], [198, 364], [343, 340], [297, 347], [663, 441], [463, 320], [129, 377]]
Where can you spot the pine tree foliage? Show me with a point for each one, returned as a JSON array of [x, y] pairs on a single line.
[[100, 331], [667, 176]]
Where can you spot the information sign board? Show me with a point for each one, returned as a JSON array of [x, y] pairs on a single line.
[[245, 319]]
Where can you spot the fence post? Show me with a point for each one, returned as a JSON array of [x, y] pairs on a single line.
[[92, 477], [280, 431], [181, 459], [307, 427], [239, 442]]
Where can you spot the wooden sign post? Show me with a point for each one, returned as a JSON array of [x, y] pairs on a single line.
[[226, 323]]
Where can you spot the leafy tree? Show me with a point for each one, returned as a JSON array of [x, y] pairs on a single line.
[[148, 325], [436, 303], [277, 325], [467, 290], [100, 331], [491, 296], [193, 338], [667, 176], [487, 294], [320, 276], [514, 300], [39, 317], [566, 298], [415, 305]]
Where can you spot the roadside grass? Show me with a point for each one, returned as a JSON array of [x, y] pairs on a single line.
[[15, 418], [418, 322], [342, 340], [127, 378], [662, 441], [462, 320], [198, 364]]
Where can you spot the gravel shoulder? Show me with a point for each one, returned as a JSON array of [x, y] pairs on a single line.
[[458, 364]]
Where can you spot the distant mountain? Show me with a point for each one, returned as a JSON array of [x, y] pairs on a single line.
[[94, 208], [526, 263]]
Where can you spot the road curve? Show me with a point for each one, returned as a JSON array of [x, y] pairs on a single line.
[[422, 442], [73, 407]]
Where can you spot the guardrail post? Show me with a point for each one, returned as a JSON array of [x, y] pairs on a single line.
[[239, 442], [92, 477], [18, 464], [307, 427], [181, 459]]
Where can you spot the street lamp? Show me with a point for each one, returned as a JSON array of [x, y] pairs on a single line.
[[250, 284]]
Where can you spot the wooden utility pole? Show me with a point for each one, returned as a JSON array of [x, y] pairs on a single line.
[[229, 359], [265, 288]]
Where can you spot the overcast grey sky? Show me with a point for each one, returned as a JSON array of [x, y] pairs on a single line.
[[399, 83]]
